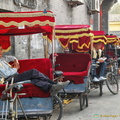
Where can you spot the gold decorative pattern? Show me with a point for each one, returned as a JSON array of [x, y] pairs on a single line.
[[74, 36], [34, 14], [84, 45], [100, 37], [6, 50], [80, 47], [82, 51], [72, 31], [99, 40], [26, 23], [73, 41]]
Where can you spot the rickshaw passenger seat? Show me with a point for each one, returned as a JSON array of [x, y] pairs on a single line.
[[75, 66], [43, 65]]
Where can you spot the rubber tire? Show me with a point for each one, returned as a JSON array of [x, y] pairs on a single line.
[[108, 85], [83, 98], [101, 86], [57, 102]]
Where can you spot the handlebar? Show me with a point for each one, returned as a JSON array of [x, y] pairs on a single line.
[[56, 65]]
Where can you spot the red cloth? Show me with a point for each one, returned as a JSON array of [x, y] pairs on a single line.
[[74, 66], [98, 32], [84, 73], [30, 90], [43, 65], [5, 42]]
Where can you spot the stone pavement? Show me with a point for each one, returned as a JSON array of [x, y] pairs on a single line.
[[105, 107]]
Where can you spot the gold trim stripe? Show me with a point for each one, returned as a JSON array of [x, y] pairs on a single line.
[[73, 36], [111, 41], [72, 31], [111, 38], [82, 51], [26, 23], [6, 50], [37, 14], [73, 41], [100, 37], [46, 37], [99, 40]]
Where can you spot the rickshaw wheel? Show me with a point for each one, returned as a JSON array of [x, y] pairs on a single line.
[[101, 86], [112, 83], [57, 109], [83, 100]]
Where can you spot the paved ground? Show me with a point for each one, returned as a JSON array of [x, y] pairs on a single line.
[[105, 107]]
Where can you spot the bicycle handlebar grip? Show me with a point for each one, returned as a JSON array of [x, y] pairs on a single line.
[[17, 88]]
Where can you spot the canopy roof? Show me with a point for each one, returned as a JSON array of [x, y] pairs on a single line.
[[24, 23], [70, 27], [76, 35], [99, 36], [113, 39]]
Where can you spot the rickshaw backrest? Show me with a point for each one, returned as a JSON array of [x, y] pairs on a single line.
[[73, 62], [110, 53], [75, 66], [43, 65]]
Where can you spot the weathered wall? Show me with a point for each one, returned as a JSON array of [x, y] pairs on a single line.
[[7, 5], [106, 5], [80, 15], [62, 11], [115, 33]]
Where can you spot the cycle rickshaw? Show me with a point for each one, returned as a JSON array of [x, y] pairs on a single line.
[[31, 101], [112, 68], [75, 66], [99, 36], [111, 81]]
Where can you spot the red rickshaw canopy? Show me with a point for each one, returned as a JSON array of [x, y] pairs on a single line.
[[25, 23], [76, 35]]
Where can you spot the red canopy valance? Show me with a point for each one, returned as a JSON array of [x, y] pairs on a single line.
[[99, 36], [112, 39], [76, 35], [5, 42], [24, 23]]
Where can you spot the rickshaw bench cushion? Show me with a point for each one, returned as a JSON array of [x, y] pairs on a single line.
[[75, 66], [82, 74], [43, 65], [30, 90]]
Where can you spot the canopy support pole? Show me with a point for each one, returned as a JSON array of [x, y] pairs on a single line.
[[53, 51]]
